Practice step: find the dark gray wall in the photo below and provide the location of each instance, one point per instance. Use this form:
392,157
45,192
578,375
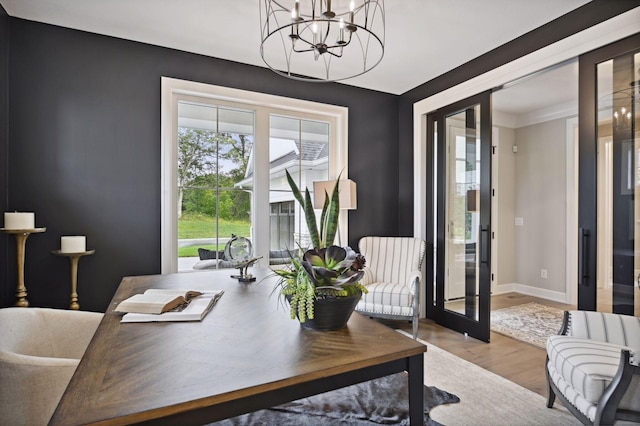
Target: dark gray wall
4,130
84,151
573,22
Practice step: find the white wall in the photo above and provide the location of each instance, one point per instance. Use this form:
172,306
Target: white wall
505,184
540,200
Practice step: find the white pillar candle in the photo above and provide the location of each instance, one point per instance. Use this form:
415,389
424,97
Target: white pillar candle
73,244
19,220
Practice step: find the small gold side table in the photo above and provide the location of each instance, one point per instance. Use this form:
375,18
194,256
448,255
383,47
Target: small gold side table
74,258
21,242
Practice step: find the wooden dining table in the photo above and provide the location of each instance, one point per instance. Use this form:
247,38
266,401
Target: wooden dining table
246,354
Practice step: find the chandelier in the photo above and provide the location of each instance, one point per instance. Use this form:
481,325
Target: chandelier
624,102
622,106
322,40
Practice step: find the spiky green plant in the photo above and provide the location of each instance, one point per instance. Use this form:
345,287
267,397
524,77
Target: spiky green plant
328,218
326,270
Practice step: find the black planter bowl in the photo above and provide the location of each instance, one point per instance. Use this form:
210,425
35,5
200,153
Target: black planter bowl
332,314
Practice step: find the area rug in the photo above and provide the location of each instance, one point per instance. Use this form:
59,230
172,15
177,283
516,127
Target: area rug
382,401
530,322
485,397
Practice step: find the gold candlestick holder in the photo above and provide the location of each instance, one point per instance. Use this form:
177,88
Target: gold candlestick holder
74,258
21,236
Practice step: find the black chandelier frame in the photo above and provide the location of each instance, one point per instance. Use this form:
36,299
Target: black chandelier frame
322,33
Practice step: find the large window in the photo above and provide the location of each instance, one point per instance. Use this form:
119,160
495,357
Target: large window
224,156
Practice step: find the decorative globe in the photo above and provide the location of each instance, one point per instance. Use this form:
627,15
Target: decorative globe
238,249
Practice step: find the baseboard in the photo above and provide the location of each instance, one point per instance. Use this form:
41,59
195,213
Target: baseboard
542,293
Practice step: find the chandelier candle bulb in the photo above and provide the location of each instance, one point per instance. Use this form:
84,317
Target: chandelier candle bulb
73,244
295,13
19,220
351,9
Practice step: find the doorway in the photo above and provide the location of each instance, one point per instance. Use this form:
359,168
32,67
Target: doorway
522,68
535,122
531,199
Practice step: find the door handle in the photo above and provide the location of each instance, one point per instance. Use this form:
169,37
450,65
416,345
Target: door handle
583,256
484,244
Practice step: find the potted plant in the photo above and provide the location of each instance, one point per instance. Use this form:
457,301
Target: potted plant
323,286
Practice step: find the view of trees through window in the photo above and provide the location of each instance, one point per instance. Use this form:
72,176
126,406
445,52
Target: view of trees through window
214,147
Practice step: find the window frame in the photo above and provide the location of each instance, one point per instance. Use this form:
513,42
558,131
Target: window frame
175,90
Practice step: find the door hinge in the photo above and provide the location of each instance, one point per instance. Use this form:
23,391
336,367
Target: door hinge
493,192
493,277
493,235
493,149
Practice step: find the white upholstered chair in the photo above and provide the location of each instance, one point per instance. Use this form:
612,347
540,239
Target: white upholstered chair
40,349
392,275
592,367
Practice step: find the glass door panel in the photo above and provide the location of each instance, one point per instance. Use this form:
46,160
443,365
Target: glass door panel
618,183
463,179
214,146
462,159
302,148
633,162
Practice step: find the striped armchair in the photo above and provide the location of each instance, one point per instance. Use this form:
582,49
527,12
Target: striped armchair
592,369
392,276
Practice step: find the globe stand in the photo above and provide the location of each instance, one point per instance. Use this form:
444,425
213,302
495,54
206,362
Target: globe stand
238,249
244,276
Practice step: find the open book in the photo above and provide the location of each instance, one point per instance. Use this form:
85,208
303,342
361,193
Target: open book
156,301
194,310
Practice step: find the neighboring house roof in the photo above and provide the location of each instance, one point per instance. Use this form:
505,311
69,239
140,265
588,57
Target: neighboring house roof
305,152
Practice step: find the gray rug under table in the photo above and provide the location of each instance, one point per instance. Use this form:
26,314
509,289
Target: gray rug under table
382,401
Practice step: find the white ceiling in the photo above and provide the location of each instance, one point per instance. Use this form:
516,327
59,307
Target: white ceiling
424,38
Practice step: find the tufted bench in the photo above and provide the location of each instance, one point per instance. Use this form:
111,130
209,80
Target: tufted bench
591,368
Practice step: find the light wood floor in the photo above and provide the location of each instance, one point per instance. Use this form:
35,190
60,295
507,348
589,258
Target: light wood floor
517,361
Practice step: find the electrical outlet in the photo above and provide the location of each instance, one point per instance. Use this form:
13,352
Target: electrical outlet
543,273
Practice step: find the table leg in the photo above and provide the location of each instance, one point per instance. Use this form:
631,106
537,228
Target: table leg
416,389
74,283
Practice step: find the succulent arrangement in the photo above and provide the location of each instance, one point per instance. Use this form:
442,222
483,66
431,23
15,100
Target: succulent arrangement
326,270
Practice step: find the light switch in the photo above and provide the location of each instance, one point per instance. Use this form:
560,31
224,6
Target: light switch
519,221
